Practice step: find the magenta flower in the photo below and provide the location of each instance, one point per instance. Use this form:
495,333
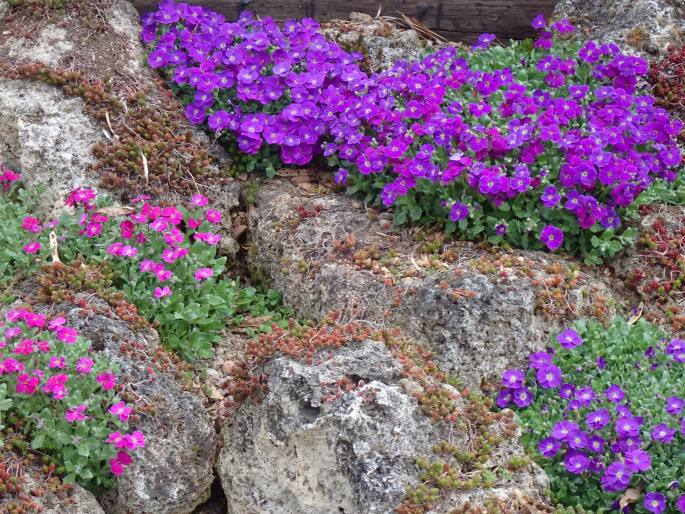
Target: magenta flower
213,216
32,248
203,273
85,365
161,292
198,200
107,380
75,414
31,224
121,410
552,237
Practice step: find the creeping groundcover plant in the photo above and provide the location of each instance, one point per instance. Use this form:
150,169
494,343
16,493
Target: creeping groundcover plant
64,397
603,410
543,144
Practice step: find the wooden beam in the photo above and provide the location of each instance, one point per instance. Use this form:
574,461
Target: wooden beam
460,20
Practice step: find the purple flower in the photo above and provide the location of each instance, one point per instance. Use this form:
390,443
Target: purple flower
674,405
550,197
614,393
549,376
549,447
562,429
596,444
576,462
501,229
655,502
484,41
626,426
539,22
578,440
567,391
218,121
569,339
638,460
458,212
552,237
522,397
598,419
601,362
540,359
616,477
504,398
680,503
663,433
585,395
513,378
341,176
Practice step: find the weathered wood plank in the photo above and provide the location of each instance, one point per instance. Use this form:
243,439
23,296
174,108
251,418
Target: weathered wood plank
455,19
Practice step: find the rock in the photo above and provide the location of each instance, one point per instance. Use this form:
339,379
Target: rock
79,500
381,41
644,26
302,449
479,312
46,136
173,474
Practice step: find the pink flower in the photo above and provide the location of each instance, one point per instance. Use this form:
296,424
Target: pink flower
78,195
213,216
121,410
93,229
57,362
194,223
55,386
138,439
161,292
85,365
129,251
107,380
34,320
31,224
32,247
161,273
169,255
27,384
208,237
198,200
159,225
56,322
127,229
140,198
66,334
25,347
75,414
115,248
203,273
173,237
11,366
43,346
116,467
147,265
12,332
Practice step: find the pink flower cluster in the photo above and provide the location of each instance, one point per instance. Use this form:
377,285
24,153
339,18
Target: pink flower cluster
7,177
26,342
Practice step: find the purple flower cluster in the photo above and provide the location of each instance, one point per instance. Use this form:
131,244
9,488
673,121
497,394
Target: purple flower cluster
571,135
263,84
600,434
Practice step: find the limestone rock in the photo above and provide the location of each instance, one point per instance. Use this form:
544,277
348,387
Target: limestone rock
46,136
298,450
479,314
643,26
173,474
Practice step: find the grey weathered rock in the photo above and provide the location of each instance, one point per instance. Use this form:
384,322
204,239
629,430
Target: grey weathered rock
46,136
301,450
643,26
173,474
381,41
478,315
79,501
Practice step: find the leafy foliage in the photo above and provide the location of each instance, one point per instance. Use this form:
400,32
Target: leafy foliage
603,411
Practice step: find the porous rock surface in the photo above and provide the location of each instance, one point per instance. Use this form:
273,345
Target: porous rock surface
645,26
381,41
478,316
173,473
298,450
47,136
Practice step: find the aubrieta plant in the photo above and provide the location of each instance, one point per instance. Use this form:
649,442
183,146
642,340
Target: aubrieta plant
272,91
65,398
542,145
603,412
